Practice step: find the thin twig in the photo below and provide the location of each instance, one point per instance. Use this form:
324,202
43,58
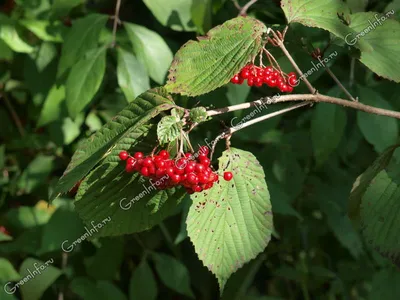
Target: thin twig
352,67
14,115
328,70
244,9
116,21
286,52
236,4
308,97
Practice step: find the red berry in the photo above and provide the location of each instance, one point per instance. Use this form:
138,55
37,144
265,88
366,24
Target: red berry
235,79
144,171
197,188
228,176
205,162
176,178
204,150
129,168
147,162
292,81
170,171
152,170
138,155
192,179
258,81
268,70
189,156
178,170
160,164
160,173
123,155
200,168
164,154
250,81
260,72
203,178
130,161
189,168
245,73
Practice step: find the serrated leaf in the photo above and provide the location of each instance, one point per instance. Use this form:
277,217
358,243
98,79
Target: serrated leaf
130,201
364,180
177,112
322,14
379,216
381,35
198,114
232,222
202,66
82,37
36,173
173,274
381,132
169,129
98,146
177,14
84,80
143,284
9,34
132,76
151,49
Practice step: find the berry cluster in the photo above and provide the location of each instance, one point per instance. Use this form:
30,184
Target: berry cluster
257,76
191,171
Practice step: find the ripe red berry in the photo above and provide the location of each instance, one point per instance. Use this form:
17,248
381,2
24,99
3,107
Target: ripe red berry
189,156
292,81
160,164
258,81
144,171
235,79
138,155
268,70
123,155
203,178
147,162
189,168
192,179
200,168
197,188
204,149
170,171
160,172
245,73
129,168
250,81
176,178
164,154
228,176
205,162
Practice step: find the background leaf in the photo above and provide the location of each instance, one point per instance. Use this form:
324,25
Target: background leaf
143,284
151,49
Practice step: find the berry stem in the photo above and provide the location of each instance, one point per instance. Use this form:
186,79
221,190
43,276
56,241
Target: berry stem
286,52
328,70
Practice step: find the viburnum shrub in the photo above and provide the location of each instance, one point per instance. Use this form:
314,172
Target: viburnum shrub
230,219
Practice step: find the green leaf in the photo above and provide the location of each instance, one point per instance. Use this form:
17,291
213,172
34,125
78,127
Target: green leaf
98,146
7,271
83,37
327,129
132,76
173,274
93,121
379,215
177,14
95,290
107,261
53,105
9,34
322,14
36,173
168,129
84,80
381,132
384,285
143,284
25,217
237,94
382,35
151,49
5,237
56,234
50,32
202,66
357,5
202,15
232,222
198,114
35,286
61,8
5,52
364,180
